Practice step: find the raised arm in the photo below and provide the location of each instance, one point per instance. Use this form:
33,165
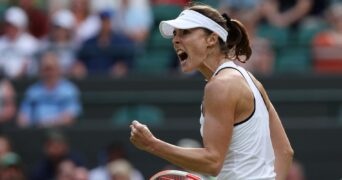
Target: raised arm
219,104
281,144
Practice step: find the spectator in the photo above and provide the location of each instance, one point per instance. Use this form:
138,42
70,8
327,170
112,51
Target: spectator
283,13
87,24
134,18
81,173
114,151
296,171
11,167
16,45
57,156
262,59
7,102
60,39
327,45
106,53
37,18
5,146
53,101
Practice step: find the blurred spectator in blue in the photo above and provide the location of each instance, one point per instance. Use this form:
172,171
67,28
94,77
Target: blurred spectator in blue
60,39
108,52
283,13
7,102
11,167
37,18
232,5
327,44
114,152
16,45
134,18
52,101
56,150
87,24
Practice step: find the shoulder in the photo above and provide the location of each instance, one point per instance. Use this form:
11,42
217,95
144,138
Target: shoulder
227,84
35,89
68,85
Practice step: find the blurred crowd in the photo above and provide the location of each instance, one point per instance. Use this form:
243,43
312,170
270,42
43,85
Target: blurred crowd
54,40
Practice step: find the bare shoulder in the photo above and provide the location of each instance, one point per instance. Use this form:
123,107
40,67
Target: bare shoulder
229,82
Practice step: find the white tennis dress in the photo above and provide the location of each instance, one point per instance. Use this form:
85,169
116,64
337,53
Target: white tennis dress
250,155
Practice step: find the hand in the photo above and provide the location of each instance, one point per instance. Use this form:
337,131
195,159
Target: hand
141,136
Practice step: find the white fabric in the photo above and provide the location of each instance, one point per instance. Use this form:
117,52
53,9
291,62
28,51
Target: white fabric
250,154
16,55
17,17
64,18
191,19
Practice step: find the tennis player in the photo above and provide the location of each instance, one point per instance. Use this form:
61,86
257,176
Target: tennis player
243,137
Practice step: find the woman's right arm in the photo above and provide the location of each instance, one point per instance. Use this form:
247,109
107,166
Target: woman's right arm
281,144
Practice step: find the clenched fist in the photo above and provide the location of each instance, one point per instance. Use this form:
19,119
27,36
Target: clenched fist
141,136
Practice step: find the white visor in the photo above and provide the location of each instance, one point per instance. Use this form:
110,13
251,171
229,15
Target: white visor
191,19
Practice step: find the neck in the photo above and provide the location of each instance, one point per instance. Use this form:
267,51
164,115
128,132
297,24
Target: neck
210,65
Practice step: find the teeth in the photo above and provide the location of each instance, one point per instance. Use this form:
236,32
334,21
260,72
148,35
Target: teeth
179,51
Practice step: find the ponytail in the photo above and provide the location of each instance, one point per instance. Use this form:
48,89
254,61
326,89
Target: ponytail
237,39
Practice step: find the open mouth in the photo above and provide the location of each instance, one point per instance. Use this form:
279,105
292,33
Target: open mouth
182,56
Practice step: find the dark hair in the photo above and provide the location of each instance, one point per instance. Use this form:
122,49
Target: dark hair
237,39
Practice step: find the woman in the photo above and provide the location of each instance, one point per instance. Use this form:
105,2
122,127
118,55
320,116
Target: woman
243,137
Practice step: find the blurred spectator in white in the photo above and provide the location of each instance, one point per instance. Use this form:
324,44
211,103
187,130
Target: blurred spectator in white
120,169
60,39
16,45
107,53
134,18
283,13
114,155
37,18
7,102
296,171
98,5
87,24
327,45
52,101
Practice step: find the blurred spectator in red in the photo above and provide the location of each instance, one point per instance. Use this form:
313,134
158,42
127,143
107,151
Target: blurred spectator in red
11,167
134,18
87,24
53,101
283,13
327,45
60,39
17,47
174,2
7,102
296,171
108,52
37,18
114,153
57,156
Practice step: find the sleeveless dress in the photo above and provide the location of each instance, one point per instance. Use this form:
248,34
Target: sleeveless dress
250,155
